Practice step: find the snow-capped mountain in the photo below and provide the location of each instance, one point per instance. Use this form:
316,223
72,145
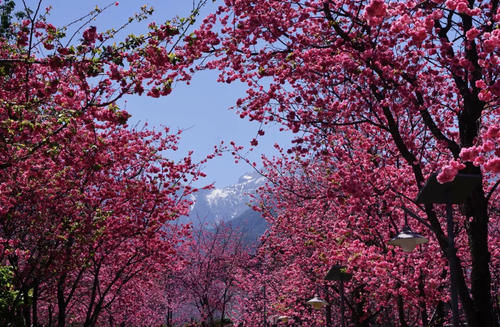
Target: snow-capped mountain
225,204
251,225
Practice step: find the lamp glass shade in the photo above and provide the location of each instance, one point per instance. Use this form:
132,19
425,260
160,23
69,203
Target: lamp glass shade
317,303
408,240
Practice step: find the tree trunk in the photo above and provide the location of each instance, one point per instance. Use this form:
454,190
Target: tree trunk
26,309
423,309
50,315
34,305
61,303
401,312
480,256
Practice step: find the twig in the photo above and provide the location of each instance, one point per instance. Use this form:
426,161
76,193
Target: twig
492,190
418,218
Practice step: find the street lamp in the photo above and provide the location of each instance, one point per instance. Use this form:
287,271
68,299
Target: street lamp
283,319
408,239
456,191
317,302
339,273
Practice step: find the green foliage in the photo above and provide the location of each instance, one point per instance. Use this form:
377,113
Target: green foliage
6,9
9,297
6,17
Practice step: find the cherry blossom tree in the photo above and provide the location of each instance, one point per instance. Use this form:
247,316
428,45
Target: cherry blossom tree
311,231
383,93
214,259
86,203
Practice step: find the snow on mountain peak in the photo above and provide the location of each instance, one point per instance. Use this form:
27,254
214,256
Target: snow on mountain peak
246,177
224,204
249,177
217,194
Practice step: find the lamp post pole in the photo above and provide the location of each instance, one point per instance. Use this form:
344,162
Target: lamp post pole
264,304
452,262
339,273
342,309
328,308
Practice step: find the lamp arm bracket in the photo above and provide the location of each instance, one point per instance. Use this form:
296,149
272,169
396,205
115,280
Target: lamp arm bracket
418,218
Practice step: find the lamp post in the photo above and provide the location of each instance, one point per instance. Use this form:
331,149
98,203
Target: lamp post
454,192
407,239
318,303
339,273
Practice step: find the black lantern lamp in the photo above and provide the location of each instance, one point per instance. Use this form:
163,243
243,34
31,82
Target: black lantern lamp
455,192
339,273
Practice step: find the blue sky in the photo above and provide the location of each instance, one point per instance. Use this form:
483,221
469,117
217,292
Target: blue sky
200,109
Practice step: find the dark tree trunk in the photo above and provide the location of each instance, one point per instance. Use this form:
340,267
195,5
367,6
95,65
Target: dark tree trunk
50,315
480,273
477,206
61,303
401,312
423,308
26,309
34,306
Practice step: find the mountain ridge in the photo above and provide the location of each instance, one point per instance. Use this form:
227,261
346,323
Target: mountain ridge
224,204
230,205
